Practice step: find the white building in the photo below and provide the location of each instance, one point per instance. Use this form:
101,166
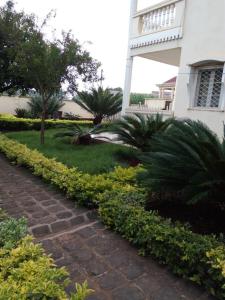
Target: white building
189,34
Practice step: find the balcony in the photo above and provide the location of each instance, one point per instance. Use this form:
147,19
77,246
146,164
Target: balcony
159,27
160,107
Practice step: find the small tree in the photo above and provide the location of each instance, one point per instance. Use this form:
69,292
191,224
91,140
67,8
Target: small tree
101,103
46,66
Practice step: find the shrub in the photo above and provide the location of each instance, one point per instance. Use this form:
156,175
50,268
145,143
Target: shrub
138,130
11,123
11,231
101,103
85,188
189,159
192,256
26,272
22,113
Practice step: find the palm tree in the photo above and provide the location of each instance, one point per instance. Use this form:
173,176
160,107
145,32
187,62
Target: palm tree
54,104
101,103
138,130
189,159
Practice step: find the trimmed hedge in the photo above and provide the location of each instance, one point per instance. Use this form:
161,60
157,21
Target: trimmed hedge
196,257
11,123
121,206
85,188
26,272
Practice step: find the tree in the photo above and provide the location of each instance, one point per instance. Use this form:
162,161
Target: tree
16,28
46,66
189,159
138,130
101,103
54,104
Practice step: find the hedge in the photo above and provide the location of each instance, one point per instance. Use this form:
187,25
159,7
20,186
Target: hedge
26,272
85,188
199,258
121,207
11,123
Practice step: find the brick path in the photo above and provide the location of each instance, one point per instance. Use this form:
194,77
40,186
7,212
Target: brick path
77,240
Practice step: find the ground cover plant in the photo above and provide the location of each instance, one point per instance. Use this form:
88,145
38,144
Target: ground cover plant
93,159
26,272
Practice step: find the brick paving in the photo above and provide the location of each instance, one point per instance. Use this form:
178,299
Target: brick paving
78,241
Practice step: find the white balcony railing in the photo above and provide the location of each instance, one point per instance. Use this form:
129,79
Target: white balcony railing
148,110
158,24
158,19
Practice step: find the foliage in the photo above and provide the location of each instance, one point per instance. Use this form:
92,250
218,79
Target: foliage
138,130
198,258
54,104
136,98
16,29
96,158
85,188
27,273
79,135
193,256
71,116
22,113
189,159
11,123
46,65
11,231
101,103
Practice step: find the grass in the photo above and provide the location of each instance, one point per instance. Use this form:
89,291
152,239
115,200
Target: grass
93,159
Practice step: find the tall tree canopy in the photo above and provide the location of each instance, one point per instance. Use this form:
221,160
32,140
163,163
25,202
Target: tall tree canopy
45,65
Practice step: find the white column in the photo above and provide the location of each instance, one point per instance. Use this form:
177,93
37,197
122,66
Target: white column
129,64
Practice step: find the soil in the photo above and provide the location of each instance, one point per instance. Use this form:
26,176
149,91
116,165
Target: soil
204,218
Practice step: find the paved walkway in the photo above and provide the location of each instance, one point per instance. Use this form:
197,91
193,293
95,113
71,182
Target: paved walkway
77,240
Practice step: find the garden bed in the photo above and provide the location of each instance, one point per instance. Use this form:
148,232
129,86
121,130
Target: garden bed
199,258
204,218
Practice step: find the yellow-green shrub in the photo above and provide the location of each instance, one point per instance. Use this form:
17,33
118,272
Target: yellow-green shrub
11,123
196,257
26,272
85,188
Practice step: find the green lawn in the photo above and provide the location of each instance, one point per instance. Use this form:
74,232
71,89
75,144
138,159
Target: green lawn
93,159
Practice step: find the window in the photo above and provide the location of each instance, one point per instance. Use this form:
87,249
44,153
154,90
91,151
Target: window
209,87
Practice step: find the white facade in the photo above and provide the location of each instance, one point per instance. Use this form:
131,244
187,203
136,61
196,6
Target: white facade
188,34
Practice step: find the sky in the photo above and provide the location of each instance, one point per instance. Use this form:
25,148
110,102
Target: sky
105,24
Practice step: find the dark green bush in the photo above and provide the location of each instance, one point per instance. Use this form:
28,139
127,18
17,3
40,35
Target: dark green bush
189,159
11,231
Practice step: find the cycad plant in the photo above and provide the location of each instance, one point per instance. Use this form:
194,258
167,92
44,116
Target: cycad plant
138,130
54,104
189,159
79,135
101,103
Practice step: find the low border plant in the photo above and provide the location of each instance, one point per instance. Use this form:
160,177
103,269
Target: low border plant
26,272
11,123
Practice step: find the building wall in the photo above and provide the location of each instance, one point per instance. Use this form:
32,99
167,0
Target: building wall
203,40
8,105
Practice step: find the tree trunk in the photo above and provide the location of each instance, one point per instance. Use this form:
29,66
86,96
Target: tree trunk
97,120
43,115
